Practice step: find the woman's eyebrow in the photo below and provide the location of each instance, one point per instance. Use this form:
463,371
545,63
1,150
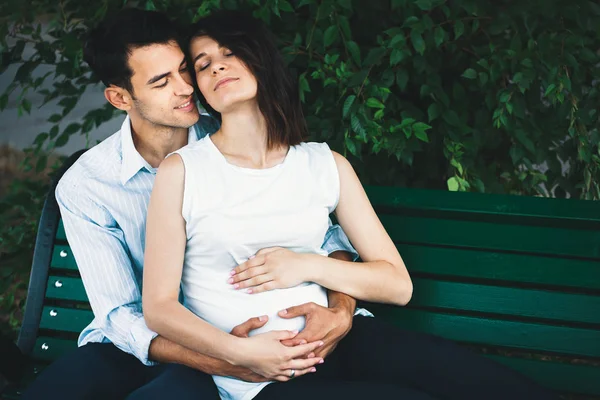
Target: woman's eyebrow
199,56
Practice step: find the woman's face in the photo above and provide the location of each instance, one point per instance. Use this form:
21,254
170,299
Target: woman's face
223,79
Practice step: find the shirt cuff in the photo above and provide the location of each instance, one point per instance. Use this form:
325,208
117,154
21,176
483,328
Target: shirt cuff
336,240
140,338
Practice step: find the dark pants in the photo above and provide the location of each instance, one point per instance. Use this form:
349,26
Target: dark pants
377,360
102,371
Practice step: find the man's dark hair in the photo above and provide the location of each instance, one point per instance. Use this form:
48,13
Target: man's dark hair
278,96
110,44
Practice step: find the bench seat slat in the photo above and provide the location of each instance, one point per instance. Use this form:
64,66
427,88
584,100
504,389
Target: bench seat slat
558,376
495,332
65,288
62,257
519,268
60,232
48,348
493,236
65,319
506,300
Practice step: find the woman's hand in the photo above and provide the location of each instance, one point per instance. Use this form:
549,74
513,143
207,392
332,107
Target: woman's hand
271,268
267,356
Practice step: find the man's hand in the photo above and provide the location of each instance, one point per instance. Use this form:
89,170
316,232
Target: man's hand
329,325
271,268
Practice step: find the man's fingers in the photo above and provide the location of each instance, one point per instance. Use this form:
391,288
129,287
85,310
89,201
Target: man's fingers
244,329
295,341
303,349
297,311
282,335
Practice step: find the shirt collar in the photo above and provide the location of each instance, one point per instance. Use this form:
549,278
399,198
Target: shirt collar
131,160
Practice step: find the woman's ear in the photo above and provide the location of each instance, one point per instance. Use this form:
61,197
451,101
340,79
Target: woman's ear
119,97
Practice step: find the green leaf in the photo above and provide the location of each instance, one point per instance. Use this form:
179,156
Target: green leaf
550,89
331,35
439,35
424,5
505,96
396,57
417,41
402,79
419,129
345,27
54,118
483,78
459,29
378,115
356,125
3,101
374,103
41,163
433,111
350,145
62,140
149,6
53,131
71,129
453,184
405,123
374,56
26,104
457,165
469,73
354,51
348,105
284,5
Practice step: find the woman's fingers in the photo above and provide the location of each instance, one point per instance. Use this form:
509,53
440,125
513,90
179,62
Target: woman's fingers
247,274
304,363
264,287
303,349
253,262
252,282
288,373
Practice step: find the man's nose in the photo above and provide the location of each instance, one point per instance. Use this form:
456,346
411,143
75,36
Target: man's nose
183,88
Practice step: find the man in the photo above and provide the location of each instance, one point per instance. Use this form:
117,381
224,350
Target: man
103,199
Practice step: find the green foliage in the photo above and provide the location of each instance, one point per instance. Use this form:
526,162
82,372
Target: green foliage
471,95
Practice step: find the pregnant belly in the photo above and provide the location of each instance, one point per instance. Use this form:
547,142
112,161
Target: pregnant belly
226,308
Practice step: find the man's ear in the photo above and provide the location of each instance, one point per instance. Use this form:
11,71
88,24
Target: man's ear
119,97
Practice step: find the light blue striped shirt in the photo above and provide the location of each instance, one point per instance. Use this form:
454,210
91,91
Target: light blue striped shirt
103,200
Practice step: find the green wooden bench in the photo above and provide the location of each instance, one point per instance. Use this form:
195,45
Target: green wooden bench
516,278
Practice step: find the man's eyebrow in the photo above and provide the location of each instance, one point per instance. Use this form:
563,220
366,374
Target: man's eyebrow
157,78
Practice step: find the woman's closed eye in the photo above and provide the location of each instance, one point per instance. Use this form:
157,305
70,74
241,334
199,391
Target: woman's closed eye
206,65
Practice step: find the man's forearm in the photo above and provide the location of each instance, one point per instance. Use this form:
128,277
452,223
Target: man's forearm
340,300
166,351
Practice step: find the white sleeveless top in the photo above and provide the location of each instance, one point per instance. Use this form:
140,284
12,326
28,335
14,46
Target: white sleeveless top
231,213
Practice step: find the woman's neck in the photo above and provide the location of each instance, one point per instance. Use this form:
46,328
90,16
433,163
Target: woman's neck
242,139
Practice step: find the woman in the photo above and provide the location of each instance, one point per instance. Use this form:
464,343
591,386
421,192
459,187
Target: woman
268,188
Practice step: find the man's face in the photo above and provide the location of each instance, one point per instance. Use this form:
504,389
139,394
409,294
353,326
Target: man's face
162,86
